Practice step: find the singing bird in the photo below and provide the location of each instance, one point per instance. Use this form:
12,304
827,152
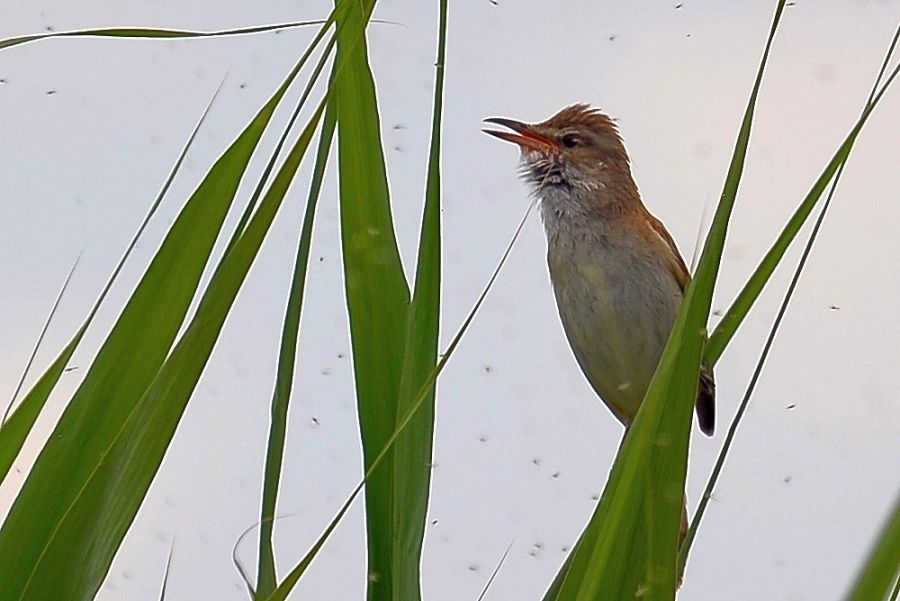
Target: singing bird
616,272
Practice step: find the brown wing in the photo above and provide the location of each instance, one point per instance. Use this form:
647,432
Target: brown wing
676,263
706,393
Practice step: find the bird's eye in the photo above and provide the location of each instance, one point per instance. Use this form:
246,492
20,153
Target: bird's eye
571,141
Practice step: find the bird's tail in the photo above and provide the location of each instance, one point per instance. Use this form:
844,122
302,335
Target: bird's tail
706,401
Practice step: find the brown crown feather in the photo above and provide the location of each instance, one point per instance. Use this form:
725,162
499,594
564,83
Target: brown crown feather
584,114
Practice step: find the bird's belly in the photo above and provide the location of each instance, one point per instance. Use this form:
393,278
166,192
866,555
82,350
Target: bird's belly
617,316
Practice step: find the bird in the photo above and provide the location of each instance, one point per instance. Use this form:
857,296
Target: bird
616,272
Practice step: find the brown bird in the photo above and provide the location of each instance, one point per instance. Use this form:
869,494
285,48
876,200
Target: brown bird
616,272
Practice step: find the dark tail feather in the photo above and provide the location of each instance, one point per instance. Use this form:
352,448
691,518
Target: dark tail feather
706,401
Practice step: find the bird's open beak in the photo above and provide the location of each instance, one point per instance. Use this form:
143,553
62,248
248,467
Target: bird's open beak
525,135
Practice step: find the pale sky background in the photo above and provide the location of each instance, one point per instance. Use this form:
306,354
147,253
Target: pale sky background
522,444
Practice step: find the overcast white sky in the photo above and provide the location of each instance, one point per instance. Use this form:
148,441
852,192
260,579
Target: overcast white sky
522,445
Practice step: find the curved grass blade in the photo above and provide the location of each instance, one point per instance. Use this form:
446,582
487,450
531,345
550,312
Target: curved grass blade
40,536
629,549
266,579
288,584
14,432
239,565
149,33
882,568
732,430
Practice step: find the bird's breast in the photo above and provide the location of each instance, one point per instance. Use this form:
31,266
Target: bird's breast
617,303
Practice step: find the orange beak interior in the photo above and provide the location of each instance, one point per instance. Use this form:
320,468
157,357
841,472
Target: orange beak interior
524,135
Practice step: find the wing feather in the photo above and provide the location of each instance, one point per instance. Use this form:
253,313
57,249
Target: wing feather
706,394
676,262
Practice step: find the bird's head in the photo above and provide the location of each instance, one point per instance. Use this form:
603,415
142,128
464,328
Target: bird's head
579,148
